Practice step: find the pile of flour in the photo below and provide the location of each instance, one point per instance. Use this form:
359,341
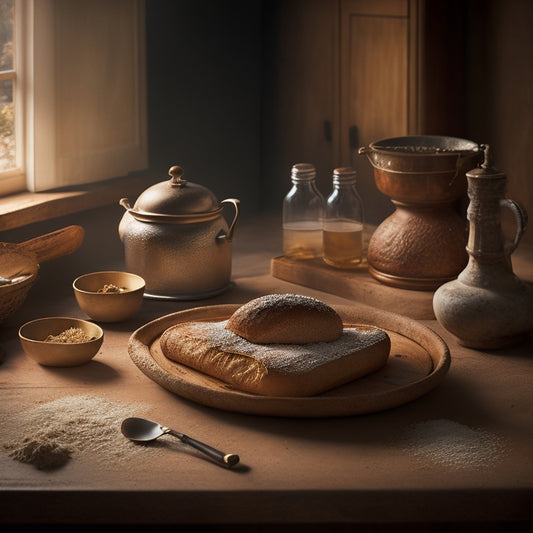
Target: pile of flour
452,444
48,435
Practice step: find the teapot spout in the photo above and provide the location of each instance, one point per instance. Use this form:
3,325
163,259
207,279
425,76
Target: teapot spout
126,218
124,202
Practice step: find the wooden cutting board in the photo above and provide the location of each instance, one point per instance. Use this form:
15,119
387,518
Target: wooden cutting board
419,360
357,285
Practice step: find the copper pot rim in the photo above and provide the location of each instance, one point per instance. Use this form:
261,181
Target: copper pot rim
425,145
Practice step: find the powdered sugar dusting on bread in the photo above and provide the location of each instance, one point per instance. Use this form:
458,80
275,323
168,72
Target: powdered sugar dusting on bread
269,301
255,308
285,358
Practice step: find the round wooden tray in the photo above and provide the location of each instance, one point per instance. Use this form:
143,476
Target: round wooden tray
418,361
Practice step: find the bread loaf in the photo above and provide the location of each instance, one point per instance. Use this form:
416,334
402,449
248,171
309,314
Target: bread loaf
286,319
276,369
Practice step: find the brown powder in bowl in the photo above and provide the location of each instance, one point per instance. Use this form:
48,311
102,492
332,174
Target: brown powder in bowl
109,288
70,336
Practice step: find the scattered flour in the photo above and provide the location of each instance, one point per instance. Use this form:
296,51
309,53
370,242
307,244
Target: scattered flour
452,444
48,435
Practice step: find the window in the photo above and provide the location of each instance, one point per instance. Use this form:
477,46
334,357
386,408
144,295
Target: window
72,92
10,103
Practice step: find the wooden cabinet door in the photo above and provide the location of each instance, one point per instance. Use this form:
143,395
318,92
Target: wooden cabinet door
300,80
378,85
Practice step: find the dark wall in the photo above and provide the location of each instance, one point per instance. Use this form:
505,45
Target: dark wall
499,90
204,93
212,68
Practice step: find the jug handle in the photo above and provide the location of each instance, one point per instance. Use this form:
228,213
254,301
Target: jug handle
520,215
235,203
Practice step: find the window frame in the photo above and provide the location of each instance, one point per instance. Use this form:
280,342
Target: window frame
39,165
14,179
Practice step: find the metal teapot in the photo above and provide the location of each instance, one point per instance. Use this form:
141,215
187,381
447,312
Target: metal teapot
177,239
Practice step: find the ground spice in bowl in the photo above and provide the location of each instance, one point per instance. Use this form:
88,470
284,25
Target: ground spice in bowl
109,288
70,336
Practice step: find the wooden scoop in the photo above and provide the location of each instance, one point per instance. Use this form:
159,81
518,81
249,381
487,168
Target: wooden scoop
55,244
22,261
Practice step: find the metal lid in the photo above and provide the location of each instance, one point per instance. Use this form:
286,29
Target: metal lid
344,175
176,197
303,172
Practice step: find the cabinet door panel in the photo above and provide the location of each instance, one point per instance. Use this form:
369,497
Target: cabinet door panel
376,95
300,86
374,59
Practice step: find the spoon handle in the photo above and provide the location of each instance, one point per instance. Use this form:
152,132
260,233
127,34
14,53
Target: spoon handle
227,459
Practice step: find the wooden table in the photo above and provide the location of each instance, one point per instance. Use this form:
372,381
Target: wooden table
363,469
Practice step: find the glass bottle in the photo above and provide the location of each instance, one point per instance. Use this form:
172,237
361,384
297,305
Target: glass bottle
344,222
303,213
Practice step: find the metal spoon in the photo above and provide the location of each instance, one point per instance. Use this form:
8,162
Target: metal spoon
10,281
143,430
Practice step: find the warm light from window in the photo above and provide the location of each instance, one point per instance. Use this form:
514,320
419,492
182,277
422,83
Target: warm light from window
8,159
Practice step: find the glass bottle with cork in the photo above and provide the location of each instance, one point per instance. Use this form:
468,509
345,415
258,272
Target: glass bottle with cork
344,222
303,214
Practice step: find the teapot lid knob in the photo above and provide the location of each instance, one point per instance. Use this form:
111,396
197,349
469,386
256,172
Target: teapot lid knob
176,172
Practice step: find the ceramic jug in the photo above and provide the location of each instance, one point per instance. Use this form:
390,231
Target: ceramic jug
487,306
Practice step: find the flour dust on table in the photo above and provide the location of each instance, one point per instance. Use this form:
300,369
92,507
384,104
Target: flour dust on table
49,435
452,444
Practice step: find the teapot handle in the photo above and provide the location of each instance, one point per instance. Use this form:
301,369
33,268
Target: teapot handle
235,203
520,215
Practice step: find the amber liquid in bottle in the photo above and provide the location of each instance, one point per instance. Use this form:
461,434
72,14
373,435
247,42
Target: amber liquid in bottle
343,232
343,244
302,241
303,211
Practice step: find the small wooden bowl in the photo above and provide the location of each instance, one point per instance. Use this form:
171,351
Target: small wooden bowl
33,337
109,306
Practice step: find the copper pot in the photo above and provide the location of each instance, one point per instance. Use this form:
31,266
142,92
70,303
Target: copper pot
177,239
422,168
422,244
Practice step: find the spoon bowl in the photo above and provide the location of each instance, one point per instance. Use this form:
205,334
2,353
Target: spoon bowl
143,430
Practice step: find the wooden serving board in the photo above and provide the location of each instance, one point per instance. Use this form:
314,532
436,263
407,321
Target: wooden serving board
418,361
356,285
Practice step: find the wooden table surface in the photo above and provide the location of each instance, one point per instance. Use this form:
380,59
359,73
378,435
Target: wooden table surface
461,454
